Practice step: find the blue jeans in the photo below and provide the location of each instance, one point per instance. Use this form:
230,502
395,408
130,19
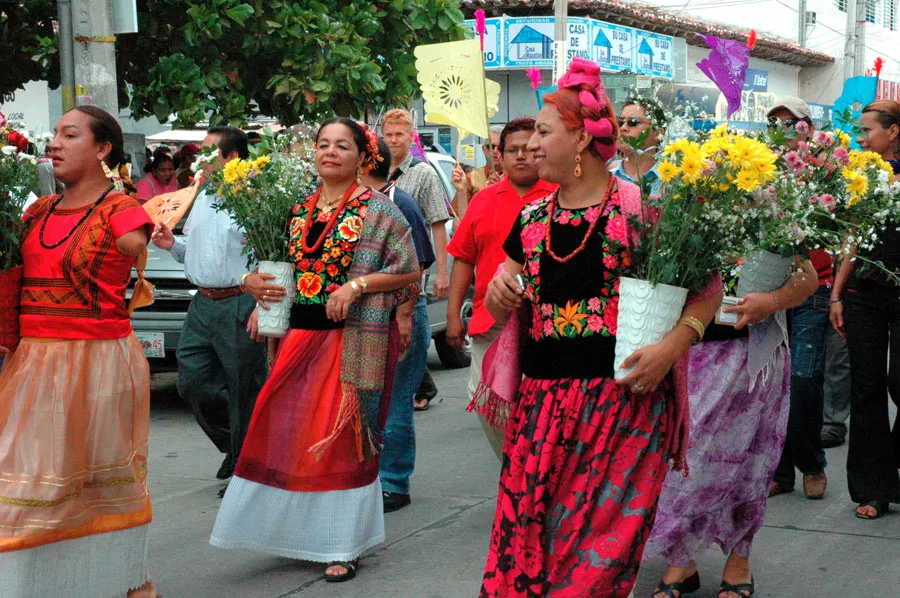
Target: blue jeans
398,458
803,444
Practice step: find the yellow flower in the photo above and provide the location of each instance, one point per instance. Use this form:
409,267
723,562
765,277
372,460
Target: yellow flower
667,171
230,173
844,139
260,162
857,184
747,180
854,199
691,167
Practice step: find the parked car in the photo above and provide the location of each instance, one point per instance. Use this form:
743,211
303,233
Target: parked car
158,326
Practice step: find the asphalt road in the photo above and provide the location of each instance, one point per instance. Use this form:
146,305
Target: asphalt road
436,547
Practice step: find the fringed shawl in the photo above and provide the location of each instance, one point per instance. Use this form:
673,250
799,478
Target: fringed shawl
385,247
502,369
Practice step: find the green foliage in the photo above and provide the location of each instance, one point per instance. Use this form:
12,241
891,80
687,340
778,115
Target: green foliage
18,176
28,44
291,60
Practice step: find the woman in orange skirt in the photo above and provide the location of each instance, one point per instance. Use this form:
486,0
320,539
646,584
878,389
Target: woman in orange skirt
75,394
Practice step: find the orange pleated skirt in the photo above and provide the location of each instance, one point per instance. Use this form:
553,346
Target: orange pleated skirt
74,423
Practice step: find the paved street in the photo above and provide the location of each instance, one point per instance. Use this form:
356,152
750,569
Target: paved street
436,547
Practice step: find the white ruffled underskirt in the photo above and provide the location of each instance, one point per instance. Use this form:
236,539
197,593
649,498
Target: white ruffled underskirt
322,527
99,566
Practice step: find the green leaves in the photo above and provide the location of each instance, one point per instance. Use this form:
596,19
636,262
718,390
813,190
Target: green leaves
240,13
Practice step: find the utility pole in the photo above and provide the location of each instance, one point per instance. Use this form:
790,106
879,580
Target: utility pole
801,33
560,20
66,60
95,54
855,48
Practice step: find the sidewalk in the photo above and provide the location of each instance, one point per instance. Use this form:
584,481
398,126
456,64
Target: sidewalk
436,547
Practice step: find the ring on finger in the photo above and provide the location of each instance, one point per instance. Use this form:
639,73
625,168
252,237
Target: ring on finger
637,388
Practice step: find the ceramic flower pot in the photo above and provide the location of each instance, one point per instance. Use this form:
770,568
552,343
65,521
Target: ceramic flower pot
10,289
646,314
763,272
275,321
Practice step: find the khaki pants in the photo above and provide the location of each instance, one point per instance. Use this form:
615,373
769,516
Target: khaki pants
480,345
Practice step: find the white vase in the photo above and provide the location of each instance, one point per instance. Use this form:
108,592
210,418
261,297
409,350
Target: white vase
276,320
646,314
763,272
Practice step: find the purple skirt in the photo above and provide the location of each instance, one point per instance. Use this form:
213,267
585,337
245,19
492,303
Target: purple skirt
736,439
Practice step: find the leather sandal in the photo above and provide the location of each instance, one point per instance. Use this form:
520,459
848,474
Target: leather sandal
744,590
350,566
683,587
880,506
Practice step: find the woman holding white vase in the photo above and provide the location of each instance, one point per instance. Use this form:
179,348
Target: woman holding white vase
584,456
306,484
739,392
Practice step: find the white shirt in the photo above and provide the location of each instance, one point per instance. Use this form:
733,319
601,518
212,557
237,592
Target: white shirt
212,248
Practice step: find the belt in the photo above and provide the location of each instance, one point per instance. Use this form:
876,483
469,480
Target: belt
220,293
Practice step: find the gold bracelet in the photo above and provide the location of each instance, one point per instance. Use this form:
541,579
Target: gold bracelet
363,284
355,287
695,325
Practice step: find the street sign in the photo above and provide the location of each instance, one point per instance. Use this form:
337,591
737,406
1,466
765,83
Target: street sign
613,46
654,54
578,39
493,49
528,42
757,80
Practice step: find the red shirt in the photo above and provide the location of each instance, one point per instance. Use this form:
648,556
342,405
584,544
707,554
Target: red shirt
77,290
824,265
481,234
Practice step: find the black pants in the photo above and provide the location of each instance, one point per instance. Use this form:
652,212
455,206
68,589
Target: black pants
803,443
872,321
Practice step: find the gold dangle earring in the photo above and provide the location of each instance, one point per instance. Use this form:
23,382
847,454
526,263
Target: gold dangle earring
577,165
112,176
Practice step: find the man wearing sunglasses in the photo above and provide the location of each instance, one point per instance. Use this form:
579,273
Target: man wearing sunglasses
640,120
809,331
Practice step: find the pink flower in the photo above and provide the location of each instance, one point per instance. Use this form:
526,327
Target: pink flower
564,217
795,162
546,310
842,156
576,221
822,138
611,315
548,328
616,290
617,229
534,267
709,168
332,287
610,262
594,304
802,127
537,324
592,214
827,201
814,199
804,147
595,323
532,235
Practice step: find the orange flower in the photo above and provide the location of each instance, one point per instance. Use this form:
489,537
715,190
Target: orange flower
309,285
332,270
350,228
569,316
346,260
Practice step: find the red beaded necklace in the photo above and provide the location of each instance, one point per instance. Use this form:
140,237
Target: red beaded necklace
310,211
590,230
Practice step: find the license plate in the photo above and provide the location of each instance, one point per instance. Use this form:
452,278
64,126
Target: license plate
154,343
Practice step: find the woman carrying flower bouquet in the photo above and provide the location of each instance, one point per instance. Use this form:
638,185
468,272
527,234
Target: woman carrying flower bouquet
866,309
584,457
306,483
75,395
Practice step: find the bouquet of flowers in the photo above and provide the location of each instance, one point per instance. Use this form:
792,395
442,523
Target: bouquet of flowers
18,176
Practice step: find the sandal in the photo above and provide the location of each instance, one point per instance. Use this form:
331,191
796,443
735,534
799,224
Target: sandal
685,586
421,404
880,506
743,590
350,566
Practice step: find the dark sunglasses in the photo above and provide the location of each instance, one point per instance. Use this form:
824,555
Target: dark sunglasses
790,123
631,122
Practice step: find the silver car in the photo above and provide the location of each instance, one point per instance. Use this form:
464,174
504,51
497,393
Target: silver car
158,326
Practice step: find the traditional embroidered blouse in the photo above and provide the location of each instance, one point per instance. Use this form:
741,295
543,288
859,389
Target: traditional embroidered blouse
77,290
319,273
575,304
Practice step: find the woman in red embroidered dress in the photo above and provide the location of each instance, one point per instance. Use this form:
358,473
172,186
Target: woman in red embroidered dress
75,394
306,484
584,457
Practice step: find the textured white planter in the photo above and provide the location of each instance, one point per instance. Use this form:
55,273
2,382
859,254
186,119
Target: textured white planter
763,272
646,315
275,321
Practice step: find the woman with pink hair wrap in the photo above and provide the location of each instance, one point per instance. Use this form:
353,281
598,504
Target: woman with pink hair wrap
585,455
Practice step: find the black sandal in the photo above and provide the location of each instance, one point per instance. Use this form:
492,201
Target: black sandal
350,566
423,407
744,590
880,506
686,586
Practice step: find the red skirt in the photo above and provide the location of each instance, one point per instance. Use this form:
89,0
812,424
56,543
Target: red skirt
583,467
296,409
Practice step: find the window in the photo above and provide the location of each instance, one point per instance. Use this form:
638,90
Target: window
841,5
872,11
879,12
890,15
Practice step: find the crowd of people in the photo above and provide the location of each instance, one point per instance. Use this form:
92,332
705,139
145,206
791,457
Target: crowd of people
596,473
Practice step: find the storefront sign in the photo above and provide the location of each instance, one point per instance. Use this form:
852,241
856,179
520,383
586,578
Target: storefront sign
757,80
493,54
578,39
528,42
613,46
654,54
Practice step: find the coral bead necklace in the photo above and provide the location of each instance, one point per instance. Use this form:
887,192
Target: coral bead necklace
310,213
590,231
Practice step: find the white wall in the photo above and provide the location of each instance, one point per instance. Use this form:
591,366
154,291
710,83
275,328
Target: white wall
30,105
